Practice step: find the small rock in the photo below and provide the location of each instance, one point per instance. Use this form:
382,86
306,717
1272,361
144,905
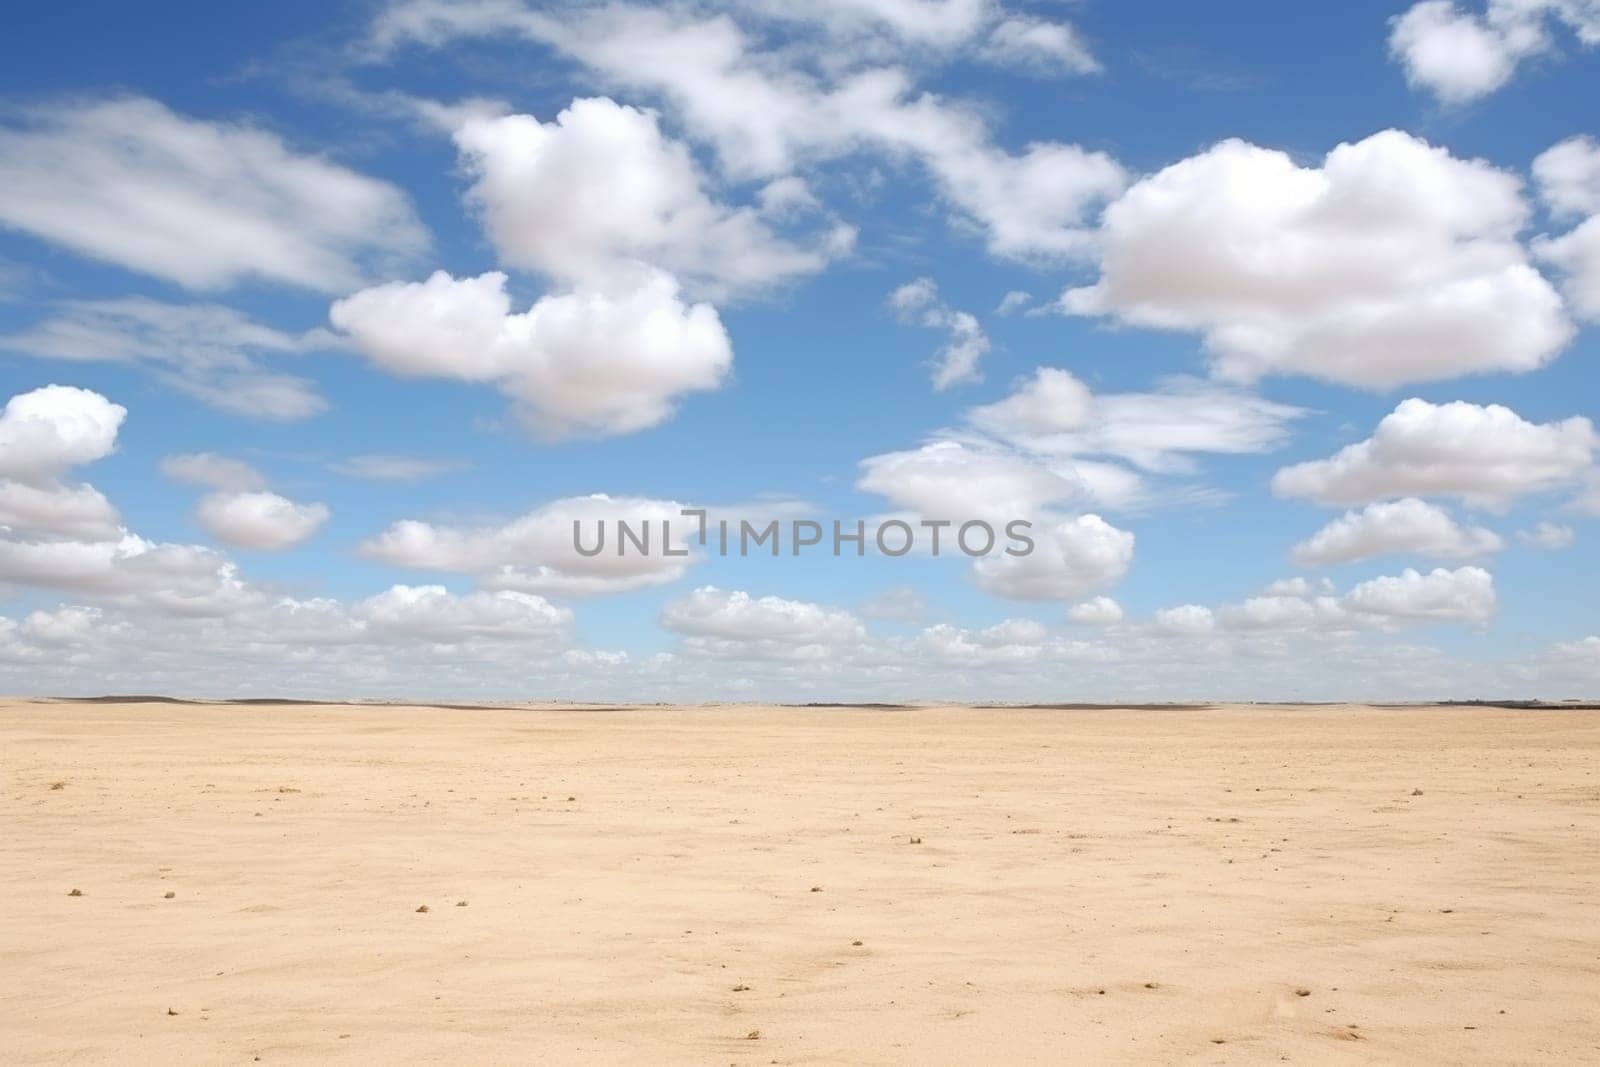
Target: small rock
422,909
168,895
76,893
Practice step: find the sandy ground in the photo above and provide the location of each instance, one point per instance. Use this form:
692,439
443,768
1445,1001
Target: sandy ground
758,885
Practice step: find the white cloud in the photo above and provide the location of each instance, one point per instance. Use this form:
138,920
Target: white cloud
1286,614
768,111
48,430
1039,46
958,481
259,520
433,613
1008,643
1070,558
212,471
1568,177
1013,302
1577,255
1459,56
1550,536
79,513
1485,455
579,363
1583,654
535,552
209,352
918,302
936,24
590,196
1408,526
389,468
734,615
43,433
66,625
203,204
1054,413
1465,594
1297,606
1185,620
170,578
1096,611
1393,262
1298,586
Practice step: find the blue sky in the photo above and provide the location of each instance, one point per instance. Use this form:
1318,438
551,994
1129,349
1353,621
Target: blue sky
760,261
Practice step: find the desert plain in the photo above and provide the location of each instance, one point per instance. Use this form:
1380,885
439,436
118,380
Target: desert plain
290,883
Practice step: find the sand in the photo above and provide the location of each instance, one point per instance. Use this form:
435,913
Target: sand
769,885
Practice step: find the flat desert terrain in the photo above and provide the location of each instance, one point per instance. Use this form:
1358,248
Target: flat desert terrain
751,885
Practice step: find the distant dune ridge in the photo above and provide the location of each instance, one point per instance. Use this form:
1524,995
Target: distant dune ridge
301,882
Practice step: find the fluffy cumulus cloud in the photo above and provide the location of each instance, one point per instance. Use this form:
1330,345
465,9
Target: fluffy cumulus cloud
1392,262
1459,55
434,613
1053,444
576,364
204,204
1010,643
734,615
1485,455
966,344
1055,413
209,352
1576,254
1069,558
771,105
1465,594
1380,605
537,553
959,480
48,430
259,520
589,196
1568,176
1285,614
75,512
1096,611
165,613
1408,526
130,571
43,434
